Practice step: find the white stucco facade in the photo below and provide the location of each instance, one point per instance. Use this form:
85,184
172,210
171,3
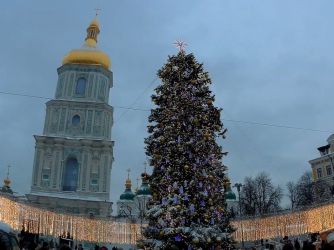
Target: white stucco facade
74,156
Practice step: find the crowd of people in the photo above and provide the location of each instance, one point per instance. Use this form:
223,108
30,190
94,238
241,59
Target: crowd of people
313,242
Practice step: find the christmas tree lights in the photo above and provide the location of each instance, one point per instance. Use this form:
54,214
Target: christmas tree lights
188,209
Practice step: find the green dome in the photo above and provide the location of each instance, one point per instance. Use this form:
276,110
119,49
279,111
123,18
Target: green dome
127,195
6,189
230,195
144,189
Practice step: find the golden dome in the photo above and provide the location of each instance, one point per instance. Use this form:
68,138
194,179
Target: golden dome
94,23
228,182
128,184
89,53
7,182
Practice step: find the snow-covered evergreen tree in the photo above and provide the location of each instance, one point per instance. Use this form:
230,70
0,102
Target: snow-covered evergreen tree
188,182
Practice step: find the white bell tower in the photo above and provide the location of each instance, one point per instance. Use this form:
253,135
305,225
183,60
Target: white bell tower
74,156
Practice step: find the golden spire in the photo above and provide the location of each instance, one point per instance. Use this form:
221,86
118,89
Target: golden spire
7,181
92,32
128,181
145,163
144,176
97,11
137,188
228,182
89,53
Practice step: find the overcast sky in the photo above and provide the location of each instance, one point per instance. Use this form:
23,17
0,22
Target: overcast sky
270,62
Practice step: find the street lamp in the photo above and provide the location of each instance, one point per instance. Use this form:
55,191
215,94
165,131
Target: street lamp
238,186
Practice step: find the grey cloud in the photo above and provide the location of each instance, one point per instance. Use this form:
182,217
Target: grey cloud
271,62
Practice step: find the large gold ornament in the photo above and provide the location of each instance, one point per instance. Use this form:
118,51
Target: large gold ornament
186,167
195,241
163,139
206,134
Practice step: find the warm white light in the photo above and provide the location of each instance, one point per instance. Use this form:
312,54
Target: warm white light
39,220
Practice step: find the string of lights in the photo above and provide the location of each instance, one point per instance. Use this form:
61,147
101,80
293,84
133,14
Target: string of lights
147,110
42,221
136,100
256,148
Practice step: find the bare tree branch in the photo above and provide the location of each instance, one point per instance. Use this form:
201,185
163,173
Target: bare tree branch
259,196
292,194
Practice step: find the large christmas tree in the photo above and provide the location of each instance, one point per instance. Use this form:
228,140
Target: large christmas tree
188,209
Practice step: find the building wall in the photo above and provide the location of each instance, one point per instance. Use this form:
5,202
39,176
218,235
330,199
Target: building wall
94,164
96,119
77,126
323,166
320,165
99,82
126,208
137,206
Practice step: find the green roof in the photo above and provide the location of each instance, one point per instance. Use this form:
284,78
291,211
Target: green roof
144,189
230,195
127,195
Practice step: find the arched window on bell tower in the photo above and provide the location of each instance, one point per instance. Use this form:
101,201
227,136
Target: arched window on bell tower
71,175
81,86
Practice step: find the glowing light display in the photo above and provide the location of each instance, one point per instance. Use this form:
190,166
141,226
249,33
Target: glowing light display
296,223
39,220
42,221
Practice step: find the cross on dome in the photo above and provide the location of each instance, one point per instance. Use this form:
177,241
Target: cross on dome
97,10
8,170
129,170
145,163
